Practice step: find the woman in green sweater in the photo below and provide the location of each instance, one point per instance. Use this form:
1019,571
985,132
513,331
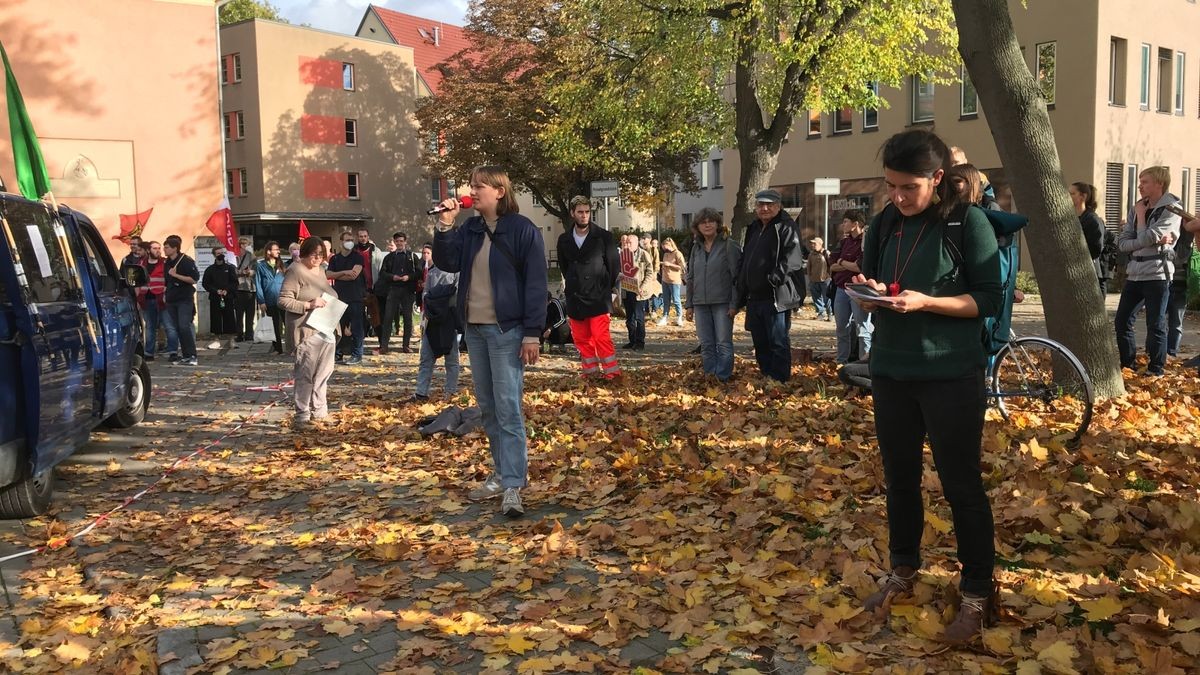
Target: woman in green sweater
927,367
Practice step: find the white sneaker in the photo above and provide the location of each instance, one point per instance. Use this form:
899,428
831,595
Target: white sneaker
215,344
679,321
663,321
511,506
490,489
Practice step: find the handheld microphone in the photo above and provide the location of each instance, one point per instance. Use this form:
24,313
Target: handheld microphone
464,202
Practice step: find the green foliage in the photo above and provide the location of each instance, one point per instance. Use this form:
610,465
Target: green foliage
240,10
1027,283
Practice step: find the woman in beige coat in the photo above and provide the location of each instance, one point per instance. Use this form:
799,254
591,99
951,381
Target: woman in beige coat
674,267
302,289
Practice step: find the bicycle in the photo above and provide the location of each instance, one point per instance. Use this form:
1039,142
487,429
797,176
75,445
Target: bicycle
1033,381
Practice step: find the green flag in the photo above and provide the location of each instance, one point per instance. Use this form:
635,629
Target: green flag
32,176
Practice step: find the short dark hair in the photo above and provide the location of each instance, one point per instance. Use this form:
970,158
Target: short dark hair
135,238
427,245
363,228
856,216
399,235
922,153
174,241
310,246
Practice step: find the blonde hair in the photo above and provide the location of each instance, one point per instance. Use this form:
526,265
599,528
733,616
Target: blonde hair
497,178
1160,174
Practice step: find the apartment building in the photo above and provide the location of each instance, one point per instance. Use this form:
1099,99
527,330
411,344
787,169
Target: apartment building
1123,96
123,96
710,174
319,127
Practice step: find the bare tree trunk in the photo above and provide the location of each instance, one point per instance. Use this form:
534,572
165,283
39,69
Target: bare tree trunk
758,145
1020,125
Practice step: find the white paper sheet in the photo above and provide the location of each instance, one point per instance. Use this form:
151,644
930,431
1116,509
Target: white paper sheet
39,251
325,319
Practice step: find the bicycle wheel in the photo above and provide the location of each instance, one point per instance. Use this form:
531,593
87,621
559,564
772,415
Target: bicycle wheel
1039,383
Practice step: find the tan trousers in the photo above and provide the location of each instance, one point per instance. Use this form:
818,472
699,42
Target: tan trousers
314,365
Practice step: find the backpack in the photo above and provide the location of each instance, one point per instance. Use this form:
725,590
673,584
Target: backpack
1109,255
997,327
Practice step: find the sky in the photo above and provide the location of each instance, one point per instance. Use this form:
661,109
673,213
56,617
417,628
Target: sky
343,16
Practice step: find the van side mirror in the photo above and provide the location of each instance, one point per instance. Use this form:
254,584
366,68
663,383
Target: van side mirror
134,275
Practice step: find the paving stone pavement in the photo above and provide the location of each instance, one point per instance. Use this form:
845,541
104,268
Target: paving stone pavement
192,407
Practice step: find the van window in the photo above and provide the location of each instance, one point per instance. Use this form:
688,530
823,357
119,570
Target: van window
45,267
97,262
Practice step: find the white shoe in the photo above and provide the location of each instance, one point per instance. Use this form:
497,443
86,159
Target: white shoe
490,489
679,321
663,321
215,344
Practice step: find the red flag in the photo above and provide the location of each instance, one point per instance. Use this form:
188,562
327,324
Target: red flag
220,223
132,226
303,231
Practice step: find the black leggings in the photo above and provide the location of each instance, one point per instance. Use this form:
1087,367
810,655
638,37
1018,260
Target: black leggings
951,413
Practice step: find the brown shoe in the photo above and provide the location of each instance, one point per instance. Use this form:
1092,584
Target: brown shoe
974,614
897,582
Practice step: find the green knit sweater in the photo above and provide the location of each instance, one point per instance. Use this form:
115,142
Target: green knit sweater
924,345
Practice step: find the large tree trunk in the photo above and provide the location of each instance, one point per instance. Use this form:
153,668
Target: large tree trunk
758,145
1020,125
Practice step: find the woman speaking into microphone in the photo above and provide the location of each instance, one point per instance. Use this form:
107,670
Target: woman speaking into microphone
501,261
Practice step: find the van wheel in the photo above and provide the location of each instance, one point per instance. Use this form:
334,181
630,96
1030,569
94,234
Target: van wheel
137,397
28,497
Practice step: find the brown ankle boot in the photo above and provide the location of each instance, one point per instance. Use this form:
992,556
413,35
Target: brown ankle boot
974,614
897,582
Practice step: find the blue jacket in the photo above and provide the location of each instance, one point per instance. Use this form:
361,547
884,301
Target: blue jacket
517,304
268,283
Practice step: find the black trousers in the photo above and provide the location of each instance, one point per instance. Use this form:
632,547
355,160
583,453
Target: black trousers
399,302
951,413
276,316
245,308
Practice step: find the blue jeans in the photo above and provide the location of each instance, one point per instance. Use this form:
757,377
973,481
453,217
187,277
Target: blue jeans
1155,295
356,320
179,321
635,319
769,331
818,289
425,368
1176,309
843,310
714,327
499,378
153,316
670,296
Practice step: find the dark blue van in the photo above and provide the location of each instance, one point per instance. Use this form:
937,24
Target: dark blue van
70,346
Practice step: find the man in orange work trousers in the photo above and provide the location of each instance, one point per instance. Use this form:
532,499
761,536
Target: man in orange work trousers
589,262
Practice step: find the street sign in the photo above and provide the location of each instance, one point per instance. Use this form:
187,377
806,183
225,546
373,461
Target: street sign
602,189
826,186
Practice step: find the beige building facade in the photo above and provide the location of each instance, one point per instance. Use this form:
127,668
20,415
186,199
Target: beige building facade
1124,78
123,97
319,126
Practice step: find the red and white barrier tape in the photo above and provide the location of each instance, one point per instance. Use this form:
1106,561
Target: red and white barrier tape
59,542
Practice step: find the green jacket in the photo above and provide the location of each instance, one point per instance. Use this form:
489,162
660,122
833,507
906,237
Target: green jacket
923,345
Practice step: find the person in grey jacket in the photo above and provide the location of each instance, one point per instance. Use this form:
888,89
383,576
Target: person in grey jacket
438,284
1148,237
712,271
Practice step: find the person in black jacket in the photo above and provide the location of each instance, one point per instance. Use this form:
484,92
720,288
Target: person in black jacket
402,270
221,282
180,297
1083,195
346,272
590,264
766,284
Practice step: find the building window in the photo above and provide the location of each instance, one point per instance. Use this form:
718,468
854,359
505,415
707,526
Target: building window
235,126
351,132
236,183
1118,54
1184,187
1179,82
1113,172
716,173
436,193
352,185
703,175
922,99
814,122
843,121
1131,193
1166,62
969,99
1144,88
687,220
871,115
1047,56
431,143
231,68
348,76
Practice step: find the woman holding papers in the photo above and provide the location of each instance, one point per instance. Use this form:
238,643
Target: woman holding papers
303,289
927,367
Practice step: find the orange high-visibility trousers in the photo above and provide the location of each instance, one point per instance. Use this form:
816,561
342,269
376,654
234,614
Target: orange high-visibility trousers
595,346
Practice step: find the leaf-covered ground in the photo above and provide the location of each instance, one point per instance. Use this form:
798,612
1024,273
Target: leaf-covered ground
673,526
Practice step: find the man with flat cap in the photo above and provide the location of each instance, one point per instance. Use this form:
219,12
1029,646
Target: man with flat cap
771,253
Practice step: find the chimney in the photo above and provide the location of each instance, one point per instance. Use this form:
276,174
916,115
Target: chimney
437,36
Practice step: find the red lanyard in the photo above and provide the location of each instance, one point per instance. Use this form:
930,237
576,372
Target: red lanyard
894,287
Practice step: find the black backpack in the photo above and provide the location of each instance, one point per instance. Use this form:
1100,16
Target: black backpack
1109,254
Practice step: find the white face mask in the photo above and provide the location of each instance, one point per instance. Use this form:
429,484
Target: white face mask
347,244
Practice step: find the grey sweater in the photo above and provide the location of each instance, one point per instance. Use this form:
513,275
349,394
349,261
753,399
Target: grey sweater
712,275
1146,256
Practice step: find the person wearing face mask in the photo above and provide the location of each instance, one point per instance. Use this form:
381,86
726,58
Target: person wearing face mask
153,301
927,369
221,282
346,271
293,253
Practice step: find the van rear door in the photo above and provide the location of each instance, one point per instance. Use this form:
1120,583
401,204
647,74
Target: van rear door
56,359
